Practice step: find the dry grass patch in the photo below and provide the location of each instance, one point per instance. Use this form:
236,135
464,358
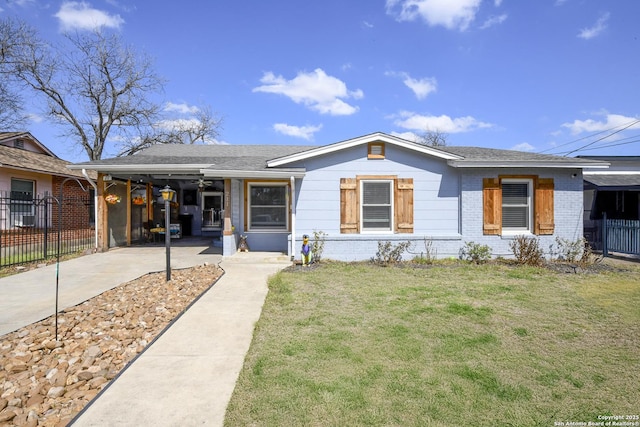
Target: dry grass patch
357,344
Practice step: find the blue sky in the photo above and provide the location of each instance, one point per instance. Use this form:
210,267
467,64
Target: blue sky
547,76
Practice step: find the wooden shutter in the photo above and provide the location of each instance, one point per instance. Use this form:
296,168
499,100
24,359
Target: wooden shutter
404,205
544,223
348,206
491,206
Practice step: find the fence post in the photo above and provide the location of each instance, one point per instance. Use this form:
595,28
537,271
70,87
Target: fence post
605,248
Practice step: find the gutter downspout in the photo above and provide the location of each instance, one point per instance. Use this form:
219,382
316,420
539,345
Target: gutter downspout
293,218
95,205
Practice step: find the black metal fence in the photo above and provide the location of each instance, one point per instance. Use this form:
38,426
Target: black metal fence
38,227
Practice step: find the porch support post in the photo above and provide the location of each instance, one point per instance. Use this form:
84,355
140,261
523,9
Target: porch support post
128,212
293,218
227,230
102,221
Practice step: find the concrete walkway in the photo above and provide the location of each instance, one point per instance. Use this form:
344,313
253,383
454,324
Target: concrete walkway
186,377
29,297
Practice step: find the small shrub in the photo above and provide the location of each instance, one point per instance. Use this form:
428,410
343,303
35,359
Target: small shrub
389,253
577,251
318,245
527,251
475,252
429,255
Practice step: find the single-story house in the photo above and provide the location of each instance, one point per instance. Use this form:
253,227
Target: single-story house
357,192
29,171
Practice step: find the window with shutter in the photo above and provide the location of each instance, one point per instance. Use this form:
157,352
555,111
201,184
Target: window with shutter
514,205
376,204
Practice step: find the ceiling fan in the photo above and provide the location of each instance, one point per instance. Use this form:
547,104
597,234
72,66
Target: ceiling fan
202,183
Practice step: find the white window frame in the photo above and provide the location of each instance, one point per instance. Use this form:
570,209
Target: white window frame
529,205
389,229
250,227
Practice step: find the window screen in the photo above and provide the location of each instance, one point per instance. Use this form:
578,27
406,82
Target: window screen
515,205
376,205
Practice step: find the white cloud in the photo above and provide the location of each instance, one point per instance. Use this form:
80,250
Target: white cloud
181,108
316,90
494,20
304,132
451,14
177,124
420,87
497,3
610,122
81,16
524,146
598,27
409,136
443,123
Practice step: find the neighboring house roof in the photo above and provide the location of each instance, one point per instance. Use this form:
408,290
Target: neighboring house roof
8,136
614,181
624,173
16,158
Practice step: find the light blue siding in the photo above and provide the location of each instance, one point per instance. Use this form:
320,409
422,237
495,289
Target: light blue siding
448,205
436,201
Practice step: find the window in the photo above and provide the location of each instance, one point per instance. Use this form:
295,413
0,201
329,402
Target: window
267,206
22,209
516,205
376,205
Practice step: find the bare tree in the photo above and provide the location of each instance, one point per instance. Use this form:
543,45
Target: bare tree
202,127
12,35
434,138
97,86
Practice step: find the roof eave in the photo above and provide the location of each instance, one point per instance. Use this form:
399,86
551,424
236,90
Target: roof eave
146,168
519,164
255,174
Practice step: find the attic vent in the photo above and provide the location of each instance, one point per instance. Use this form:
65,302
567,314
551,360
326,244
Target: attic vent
18,143
376,150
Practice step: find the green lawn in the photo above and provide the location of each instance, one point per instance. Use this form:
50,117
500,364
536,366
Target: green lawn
449,345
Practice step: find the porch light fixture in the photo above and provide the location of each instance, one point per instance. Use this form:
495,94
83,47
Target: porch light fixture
167,196
167,193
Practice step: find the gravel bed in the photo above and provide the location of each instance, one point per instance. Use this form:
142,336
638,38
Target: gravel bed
46,382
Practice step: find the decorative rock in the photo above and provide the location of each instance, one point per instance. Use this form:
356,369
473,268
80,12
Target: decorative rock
7,415
85,375
55,392
44,381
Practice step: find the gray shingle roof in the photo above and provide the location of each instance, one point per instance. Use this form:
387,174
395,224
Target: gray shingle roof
479,154
220,157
